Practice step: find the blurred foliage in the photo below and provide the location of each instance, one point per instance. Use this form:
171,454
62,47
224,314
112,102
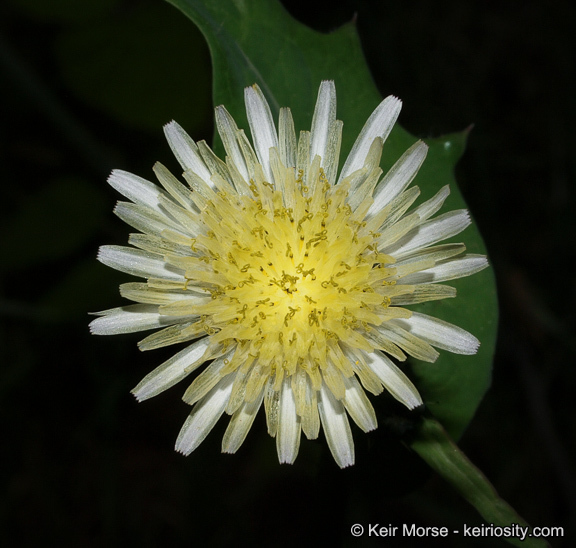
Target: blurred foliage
84,464
142,68
64,11
45,219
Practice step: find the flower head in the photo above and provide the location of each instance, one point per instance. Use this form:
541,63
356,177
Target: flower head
287,280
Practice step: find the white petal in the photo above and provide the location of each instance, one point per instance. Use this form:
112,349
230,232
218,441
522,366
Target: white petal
171,371
127,319
303,159
449,270
438,229
174,187
431,206
287,138
135,188
143,293
440,334
228,131
379,124
395,381
261,125
434,254
399,177
240,424
288,434
204,416
144,219
410,343
185,150
137,262
207,380
358,405
336,428
310,418
332,153
271,406
323,119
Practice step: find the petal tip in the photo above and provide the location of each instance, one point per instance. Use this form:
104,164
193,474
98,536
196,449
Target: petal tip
138,395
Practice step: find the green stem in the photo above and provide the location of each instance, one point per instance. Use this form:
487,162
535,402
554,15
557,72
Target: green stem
436,447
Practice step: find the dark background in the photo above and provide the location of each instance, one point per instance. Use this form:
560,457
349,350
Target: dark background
85,87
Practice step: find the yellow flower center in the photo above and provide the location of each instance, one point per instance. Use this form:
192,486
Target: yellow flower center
292,271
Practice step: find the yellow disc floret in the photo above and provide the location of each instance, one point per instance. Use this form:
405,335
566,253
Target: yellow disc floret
292,271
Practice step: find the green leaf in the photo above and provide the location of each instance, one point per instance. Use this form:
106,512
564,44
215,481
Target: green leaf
258,42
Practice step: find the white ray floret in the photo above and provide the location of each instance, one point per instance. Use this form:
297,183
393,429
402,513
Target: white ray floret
288,436
135,188
186,150
261,126
136,262
323,120
441,334
171,371
449,270
127,319
336,428
395,381
440,228
399,177
204,416
380,125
